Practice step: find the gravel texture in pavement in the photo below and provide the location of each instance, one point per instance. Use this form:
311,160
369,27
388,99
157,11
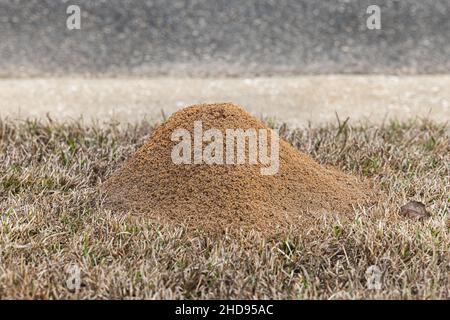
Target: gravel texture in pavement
223,38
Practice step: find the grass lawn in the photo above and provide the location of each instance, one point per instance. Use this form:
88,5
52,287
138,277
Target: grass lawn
52,220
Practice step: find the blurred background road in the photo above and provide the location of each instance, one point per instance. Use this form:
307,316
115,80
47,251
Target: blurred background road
201,50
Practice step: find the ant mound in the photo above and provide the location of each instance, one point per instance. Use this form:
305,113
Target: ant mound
216,194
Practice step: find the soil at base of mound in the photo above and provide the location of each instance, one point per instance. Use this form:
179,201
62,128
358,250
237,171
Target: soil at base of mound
215,198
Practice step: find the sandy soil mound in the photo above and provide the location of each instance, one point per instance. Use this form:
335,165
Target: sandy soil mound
217,197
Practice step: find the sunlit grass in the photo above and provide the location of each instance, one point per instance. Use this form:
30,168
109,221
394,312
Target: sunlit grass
51,217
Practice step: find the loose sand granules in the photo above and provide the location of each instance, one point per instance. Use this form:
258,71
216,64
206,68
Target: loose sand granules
219,197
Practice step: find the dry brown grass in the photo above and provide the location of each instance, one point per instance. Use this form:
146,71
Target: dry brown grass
51,217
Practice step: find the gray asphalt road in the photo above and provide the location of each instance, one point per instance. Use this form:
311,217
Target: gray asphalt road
223,37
